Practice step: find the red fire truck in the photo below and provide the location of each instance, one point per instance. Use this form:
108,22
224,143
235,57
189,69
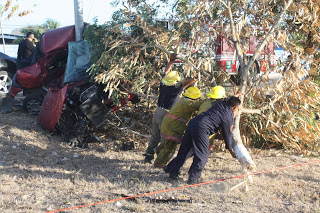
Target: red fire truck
226,55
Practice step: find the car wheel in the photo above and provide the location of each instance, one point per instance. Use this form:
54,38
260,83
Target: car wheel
5,82
32,102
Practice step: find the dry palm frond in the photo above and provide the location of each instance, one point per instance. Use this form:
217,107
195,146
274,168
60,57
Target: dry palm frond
24,13
13,10
7,6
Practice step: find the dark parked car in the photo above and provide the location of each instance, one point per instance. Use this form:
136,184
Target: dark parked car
7,71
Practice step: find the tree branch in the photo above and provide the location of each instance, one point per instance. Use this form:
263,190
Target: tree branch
268,36
251,111
139,94
182,59
128,130
224,4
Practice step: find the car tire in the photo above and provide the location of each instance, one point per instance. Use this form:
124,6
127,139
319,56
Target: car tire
5,83
32,102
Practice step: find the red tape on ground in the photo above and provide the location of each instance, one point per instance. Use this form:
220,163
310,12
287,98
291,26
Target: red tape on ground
187,186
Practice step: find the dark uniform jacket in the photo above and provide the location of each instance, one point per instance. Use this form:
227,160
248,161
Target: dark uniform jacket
25,49
220,115
169,95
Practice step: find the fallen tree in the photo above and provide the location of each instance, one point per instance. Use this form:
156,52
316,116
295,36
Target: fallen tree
134,48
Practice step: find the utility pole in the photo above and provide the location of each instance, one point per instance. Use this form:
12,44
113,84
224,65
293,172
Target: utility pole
3,41
78,18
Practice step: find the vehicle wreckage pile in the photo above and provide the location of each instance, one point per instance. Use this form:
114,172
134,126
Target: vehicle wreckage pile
58,89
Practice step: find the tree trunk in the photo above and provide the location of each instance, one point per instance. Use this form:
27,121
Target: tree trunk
244,71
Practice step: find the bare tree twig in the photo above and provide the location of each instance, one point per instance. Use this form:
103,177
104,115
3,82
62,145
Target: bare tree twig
251,111
128,130
270,33
182,59
224,4
139,94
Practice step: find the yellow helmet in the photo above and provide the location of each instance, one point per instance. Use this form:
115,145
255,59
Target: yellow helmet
171,78
217,92
192,92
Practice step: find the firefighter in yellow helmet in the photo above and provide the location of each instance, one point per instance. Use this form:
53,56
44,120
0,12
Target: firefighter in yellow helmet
171,78
216,93
171,87
174,124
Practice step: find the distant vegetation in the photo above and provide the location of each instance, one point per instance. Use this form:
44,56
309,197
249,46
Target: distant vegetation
38,30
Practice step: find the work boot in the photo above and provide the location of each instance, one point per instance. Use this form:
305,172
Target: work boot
192,181
148,158
166,169
174,177
7,104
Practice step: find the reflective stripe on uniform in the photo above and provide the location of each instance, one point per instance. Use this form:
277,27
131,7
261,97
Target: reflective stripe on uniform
175,118
171,138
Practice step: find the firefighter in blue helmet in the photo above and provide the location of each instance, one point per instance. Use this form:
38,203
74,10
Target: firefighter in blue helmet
196,137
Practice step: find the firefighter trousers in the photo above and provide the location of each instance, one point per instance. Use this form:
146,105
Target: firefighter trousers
166,153
197,139
157,118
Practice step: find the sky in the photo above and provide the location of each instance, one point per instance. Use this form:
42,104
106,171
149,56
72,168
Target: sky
59,10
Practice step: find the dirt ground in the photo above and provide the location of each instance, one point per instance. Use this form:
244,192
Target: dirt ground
41,173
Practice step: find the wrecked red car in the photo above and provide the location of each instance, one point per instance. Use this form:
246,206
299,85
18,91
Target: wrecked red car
76,110
58,88
45,67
